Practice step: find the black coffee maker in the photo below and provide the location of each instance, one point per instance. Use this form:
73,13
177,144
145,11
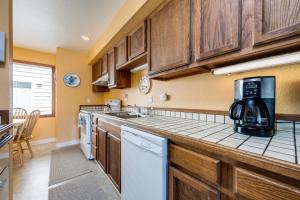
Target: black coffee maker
253,110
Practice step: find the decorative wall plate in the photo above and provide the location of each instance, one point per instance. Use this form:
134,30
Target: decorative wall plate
144,85
71,80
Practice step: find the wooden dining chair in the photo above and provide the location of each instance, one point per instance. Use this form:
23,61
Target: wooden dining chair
19,113
25,134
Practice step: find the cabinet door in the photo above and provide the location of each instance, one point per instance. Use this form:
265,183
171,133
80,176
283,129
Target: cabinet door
96,70
275,19
137,42
102,148
114,160
121,52
183,186
104,65
249,185
111,68
169,36
96,73
217,27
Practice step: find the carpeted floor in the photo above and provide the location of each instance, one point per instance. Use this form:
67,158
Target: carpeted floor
73,177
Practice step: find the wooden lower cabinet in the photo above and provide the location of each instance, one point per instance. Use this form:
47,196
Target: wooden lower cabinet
182,187
250,185
114,160
101,159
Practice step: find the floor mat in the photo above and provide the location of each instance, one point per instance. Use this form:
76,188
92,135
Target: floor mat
91,186
68,163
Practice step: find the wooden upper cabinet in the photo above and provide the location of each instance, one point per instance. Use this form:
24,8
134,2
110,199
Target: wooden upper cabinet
111,68
121,52
183,187
137,42
275,20
96,73
117,79
217,27
169,36
104,65
97,70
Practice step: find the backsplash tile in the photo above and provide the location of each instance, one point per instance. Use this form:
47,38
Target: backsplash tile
220,118
195,116
210,118
189,115
202,117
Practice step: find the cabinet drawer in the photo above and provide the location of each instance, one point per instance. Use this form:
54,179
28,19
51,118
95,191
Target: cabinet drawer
254,186
94,138
206,167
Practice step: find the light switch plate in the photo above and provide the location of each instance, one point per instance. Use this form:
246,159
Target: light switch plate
2,46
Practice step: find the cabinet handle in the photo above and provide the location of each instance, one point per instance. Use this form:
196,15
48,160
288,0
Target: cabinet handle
2,183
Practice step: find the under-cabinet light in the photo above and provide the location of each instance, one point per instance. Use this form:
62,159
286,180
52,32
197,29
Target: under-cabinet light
139,68
274,61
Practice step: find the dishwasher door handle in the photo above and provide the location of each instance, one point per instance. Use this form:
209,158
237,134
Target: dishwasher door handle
142,143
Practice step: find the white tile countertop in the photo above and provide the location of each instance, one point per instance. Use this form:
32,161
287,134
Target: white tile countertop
285,145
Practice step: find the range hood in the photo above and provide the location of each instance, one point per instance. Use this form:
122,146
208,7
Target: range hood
102,81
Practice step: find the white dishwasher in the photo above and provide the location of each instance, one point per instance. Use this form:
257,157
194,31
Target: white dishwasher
144,165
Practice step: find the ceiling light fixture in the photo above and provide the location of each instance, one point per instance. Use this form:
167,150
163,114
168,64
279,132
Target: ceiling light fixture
86,38
274,61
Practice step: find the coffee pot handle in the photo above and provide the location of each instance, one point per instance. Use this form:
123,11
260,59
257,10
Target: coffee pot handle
236,110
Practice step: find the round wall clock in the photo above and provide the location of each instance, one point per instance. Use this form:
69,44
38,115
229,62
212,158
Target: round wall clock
72,80
144,85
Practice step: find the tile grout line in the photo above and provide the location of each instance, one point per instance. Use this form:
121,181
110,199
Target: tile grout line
295,142
243,142
267,146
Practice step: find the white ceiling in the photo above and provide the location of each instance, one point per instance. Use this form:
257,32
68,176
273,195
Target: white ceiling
47,24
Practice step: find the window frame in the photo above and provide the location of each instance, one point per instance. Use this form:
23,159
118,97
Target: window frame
53,68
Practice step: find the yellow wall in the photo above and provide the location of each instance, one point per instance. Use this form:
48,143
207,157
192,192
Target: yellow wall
33,56
64,126
45,127
69,99
205,91
5,75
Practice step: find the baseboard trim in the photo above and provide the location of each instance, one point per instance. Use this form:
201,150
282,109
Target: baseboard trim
43,141
67,143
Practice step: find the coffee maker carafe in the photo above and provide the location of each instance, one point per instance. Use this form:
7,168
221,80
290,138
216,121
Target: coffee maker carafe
253,110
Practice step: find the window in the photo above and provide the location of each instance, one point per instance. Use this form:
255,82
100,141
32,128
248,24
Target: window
33,88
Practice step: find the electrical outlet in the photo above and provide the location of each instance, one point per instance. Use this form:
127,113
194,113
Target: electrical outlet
88,100
126,96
